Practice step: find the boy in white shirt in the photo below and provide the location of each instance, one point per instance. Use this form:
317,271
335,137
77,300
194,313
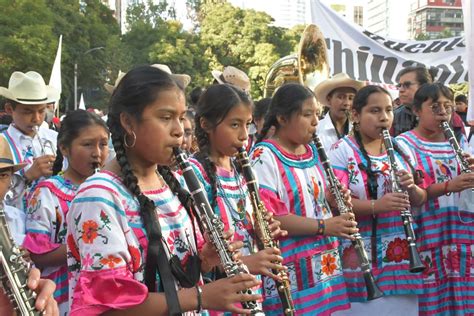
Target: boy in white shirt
336,94
27,97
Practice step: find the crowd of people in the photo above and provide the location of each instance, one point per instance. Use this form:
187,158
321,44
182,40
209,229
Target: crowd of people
101,209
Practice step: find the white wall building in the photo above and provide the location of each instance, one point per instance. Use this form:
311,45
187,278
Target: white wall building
388,18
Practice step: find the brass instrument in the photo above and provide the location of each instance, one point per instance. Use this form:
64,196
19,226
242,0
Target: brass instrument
373,291
416,265
14,272
265,238
308,67
213,226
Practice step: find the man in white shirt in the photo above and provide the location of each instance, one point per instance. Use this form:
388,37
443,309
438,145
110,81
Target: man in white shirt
27,97
336,94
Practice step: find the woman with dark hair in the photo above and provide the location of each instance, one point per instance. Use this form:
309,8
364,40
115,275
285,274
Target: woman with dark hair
82,139
360,162
293,187
133,248
444,233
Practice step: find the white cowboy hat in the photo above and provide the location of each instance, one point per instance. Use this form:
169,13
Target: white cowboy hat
29,88
6,157
181,78
233,76
340,80
110,88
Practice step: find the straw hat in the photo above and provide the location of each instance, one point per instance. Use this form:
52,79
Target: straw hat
233,76
29,88
340,80
6,157
181,78
110,88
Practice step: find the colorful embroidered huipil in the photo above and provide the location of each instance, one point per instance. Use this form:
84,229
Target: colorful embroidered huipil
445,234
291,184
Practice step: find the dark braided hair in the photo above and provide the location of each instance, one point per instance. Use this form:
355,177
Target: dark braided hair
139,88
71,128
213,106
286,101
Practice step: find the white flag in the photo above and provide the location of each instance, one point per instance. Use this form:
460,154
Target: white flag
468,14
82,105
55,78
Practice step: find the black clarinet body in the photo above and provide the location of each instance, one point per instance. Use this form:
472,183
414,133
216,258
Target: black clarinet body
265,238
449,134
213,226
416,265
373,291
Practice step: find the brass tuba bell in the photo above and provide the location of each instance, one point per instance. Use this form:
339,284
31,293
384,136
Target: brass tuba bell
309,67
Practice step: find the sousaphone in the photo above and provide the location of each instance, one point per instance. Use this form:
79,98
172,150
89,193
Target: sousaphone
308,67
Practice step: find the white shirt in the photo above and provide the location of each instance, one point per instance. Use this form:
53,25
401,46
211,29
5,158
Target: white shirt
16,223
327,132
24,148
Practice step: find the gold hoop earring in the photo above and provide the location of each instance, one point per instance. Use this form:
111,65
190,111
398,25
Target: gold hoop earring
133,142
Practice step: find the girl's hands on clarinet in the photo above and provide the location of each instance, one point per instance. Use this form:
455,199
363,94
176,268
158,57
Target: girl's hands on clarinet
343,226
406,180
346,193
392,202
274,225
461,182
470,160
223,294
264,261
208,253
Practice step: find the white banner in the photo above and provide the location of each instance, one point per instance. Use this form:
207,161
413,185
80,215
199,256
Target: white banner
369,57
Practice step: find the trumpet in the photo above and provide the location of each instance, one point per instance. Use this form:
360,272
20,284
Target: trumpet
47,146
416,265
265,238
373,291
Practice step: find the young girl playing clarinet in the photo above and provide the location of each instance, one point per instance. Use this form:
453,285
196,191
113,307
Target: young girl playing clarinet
360,162
224,113
132,244
82,139
445,230
293,187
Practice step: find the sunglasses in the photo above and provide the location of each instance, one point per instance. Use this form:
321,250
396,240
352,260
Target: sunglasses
405,85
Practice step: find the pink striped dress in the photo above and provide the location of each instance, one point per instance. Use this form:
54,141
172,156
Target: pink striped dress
445,233
390,249
46,228
292,184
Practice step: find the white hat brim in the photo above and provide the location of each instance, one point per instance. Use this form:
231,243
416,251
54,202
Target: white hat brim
52,95
217,75
182,78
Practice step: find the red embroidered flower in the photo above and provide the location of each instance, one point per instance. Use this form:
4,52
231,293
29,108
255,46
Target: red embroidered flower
397,250
349,258
73,249
453,261
89,231
328,264
110,261
257,153
135,258
429,267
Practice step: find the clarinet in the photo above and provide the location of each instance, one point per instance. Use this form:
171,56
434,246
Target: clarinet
373,291
449,134
265,238
213,226
416,265
14,272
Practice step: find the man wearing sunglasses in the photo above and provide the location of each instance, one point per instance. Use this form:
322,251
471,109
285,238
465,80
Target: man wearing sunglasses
411,78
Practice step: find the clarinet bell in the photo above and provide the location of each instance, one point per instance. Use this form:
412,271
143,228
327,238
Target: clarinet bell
416,265
373,291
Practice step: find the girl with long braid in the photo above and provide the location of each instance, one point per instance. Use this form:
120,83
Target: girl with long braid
360,162
445,229
293,186
133,248
224,113
82,139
